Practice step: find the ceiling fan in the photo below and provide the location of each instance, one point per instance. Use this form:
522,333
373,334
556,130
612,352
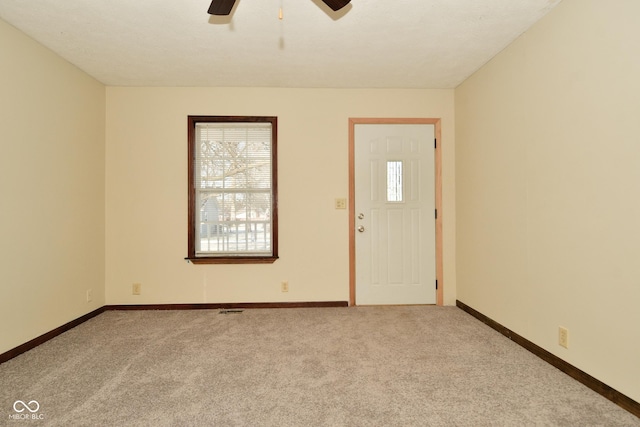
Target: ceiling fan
223,7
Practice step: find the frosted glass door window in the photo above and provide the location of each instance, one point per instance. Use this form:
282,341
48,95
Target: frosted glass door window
394,181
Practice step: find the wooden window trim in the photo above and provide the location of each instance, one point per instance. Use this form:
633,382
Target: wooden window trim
231,259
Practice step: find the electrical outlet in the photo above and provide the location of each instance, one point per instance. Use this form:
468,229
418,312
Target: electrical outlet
89,295
136,288
563,337
341,203
284,286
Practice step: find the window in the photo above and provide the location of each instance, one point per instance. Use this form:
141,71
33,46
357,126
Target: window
233,216
394,181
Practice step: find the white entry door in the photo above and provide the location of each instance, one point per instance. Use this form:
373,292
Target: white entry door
395,252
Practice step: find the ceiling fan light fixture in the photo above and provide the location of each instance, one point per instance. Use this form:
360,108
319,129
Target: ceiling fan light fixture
224,7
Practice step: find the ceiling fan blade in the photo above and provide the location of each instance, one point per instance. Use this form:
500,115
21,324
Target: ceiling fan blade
336,4
221,7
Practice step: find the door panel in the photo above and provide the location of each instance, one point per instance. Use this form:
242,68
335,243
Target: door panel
394,207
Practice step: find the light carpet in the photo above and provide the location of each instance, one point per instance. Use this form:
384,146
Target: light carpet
358,366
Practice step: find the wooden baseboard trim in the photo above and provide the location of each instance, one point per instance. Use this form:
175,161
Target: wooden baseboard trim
234,305
8,355
594,384
49,335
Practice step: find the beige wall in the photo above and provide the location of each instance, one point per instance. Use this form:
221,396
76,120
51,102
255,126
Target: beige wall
547,181
52,187
147,198
545,164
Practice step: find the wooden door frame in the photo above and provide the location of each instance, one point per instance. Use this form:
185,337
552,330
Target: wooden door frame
352,189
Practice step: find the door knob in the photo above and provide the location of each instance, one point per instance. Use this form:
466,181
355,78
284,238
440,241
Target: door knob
361,228
360,216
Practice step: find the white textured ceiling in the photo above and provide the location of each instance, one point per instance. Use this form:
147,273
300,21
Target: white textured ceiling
369,43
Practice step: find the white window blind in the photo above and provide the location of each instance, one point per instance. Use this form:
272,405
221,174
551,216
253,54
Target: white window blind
232,182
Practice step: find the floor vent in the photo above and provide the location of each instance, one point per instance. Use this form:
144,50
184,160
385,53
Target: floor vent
230,311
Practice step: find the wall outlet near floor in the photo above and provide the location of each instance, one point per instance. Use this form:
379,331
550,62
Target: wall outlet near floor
136,289
89,295
563,337
284,286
